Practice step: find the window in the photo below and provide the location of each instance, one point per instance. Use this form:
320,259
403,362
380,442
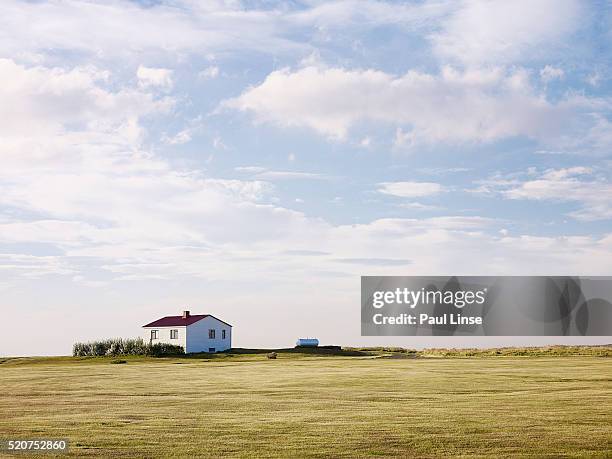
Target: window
173,334
211,333
211,349
222,334
154,334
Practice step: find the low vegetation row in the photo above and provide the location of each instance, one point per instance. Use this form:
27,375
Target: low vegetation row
124,347
542,351
120,346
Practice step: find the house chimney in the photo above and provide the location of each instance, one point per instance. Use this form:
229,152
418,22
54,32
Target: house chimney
185,314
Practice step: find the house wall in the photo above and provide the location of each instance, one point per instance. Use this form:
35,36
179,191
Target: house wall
164,336
197,336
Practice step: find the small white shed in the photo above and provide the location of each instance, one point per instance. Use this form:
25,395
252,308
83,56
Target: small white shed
196,333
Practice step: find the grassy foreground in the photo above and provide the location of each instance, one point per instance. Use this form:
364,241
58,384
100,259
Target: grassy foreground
313,406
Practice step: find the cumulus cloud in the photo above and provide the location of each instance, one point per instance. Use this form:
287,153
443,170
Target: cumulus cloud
41,101
452,106
87,186
97,196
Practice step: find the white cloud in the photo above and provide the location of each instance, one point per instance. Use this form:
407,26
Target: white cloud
573,185
597,140
209,73
369,14
443,170
453,106
41,101
32,267
471,31
92,190
218,144
184,135
179,138
418,206
250,169
128,30
410,189
262,173
594,79
488,32
550,73
290,175
154,77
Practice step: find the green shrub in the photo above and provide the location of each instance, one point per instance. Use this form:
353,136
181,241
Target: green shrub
163,349
80,349
118,346
115,347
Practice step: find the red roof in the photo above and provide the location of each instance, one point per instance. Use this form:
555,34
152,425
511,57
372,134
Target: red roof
178,321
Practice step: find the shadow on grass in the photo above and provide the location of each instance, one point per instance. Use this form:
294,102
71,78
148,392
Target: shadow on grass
323,351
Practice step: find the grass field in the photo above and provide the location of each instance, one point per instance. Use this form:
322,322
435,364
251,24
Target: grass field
312,406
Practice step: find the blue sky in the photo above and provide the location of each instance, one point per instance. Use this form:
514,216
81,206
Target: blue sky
253,159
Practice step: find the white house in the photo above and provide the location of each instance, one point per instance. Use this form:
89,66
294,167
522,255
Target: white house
196,333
